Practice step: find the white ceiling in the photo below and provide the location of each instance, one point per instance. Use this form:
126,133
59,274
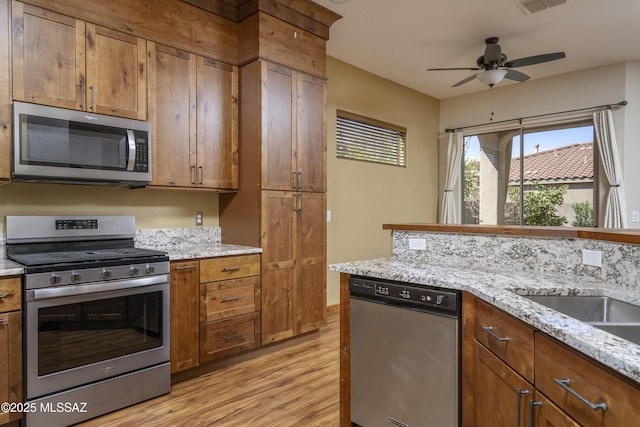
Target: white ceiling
400,39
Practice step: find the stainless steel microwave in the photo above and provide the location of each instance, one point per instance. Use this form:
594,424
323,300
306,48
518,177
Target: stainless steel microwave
58,145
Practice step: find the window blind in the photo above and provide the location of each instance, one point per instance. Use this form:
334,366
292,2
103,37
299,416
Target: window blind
362,138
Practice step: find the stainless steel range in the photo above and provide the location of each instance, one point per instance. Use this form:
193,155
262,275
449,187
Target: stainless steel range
96,316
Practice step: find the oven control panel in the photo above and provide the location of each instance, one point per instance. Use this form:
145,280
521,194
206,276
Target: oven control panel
76,224
412,294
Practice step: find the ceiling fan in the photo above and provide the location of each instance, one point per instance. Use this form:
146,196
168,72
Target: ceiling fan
494,65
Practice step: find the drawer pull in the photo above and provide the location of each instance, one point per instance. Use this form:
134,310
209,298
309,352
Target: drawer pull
519,394
230,269
3,296
531,407
239,297
3,322
566,384
489,330
185,267
231,337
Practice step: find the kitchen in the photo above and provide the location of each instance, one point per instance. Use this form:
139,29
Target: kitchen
351,181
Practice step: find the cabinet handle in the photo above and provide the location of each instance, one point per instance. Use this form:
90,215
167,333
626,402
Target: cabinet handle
299,180
519,394
489,330
531,405
4,296
231,337
566,385
295,180
193,175
82,95
93,97
201,174
231,269
239,297
185,267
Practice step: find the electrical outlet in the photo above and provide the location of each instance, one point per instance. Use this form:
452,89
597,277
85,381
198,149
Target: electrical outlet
635,216
592,258
199,218
418,244
328,216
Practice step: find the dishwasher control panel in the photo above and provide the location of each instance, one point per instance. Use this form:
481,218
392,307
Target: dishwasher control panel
415,295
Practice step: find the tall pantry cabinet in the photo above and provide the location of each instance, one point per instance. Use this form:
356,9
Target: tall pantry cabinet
281,203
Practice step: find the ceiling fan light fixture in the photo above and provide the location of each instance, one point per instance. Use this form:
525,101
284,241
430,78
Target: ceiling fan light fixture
492,77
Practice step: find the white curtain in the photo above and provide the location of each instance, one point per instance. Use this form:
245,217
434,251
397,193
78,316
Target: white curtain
450,214
616,211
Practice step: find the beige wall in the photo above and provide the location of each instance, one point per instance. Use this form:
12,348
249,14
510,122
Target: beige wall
587,88
152,208
361,195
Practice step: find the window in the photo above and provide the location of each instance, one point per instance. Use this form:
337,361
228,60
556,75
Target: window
362,138
551,183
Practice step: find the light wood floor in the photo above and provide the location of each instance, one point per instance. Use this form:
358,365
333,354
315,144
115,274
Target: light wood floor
295,386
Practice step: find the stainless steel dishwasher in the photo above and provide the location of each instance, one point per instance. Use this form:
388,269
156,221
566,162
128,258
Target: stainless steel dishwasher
405,354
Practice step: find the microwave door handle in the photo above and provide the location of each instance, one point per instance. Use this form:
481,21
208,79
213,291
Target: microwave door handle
131,143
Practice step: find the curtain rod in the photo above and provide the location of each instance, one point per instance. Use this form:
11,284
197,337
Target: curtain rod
621,104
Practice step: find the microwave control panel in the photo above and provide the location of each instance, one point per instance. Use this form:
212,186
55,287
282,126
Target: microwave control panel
142,155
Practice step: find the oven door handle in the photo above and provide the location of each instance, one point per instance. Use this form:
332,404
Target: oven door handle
67,291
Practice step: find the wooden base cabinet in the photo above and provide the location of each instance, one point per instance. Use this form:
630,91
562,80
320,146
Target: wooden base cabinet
65,62
10,346
229,305
568,388
185,321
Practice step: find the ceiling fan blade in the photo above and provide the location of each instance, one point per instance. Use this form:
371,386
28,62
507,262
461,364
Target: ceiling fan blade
516,75
531,60
451,69
467,80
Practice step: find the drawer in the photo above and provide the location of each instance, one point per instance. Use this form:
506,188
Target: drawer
10,294
226,268
507,337
588,379
229,298
229,336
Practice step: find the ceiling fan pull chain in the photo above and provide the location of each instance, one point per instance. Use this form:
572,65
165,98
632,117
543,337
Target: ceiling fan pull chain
491,117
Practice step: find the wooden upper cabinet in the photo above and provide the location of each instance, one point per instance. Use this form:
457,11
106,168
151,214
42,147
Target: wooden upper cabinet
172,113
193,110
65,62
6,112
217,125
294,139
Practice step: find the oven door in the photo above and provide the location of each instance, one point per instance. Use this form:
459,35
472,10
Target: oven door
83,337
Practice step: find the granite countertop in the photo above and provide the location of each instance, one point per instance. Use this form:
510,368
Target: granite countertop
10,268
503,289
199,250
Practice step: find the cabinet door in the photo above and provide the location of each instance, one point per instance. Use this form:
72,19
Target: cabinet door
278,264
116,73
278,157
217,122
310,302
184,315
48,57
6,111
496,396
311,142
172,108
10,362
546,414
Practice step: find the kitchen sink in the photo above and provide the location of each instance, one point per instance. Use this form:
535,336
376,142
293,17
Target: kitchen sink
616,317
